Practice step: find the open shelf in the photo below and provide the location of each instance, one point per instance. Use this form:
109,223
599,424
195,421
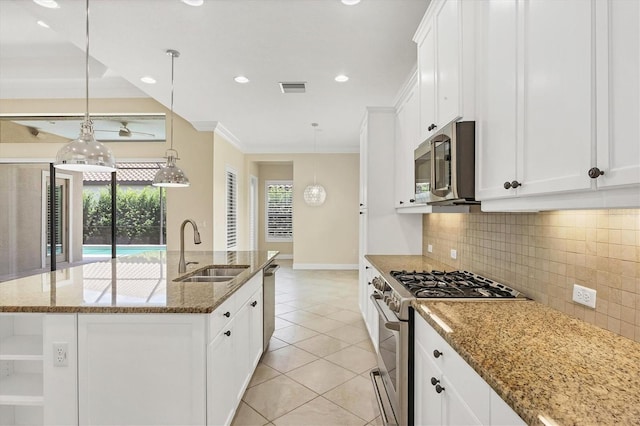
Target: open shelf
21,389
26,348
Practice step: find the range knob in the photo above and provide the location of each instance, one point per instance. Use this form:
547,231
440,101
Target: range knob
394,305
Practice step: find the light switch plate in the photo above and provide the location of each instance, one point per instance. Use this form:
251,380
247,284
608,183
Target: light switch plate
430,248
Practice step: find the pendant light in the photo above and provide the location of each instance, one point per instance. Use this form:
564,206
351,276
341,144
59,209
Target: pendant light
85,154
314,195
170,175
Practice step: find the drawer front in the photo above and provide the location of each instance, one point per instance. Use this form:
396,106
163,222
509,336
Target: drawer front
221,316
248,289
468,384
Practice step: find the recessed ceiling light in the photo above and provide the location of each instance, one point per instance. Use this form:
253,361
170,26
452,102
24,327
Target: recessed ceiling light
241,79
350,2
341,78
42,24
148,79
193,2
51,4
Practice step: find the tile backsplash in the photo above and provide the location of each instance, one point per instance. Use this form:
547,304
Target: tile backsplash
544,254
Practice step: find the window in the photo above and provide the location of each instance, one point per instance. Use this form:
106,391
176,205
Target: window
279,211
232,208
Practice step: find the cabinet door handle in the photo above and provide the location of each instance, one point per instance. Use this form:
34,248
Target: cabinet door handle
412,200
595,173
434,381
254,303
439,389
228,333
507,185
401,202
437,353
361,212
361,204
227,314
515,184
431,127
369,283
366,267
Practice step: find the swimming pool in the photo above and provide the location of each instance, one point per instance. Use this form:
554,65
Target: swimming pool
121,250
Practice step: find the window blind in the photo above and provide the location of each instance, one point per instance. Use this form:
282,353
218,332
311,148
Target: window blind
279,211
232,209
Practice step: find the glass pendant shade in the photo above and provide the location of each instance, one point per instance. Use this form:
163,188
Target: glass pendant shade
170,175
85,154
314,195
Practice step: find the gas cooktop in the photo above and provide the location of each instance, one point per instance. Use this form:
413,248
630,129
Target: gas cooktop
453,284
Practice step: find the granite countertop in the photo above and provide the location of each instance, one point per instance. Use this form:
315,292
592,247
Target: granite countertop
544,363
141,283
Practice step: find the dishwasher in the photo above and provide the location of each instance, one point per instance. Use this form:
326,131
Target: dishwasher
269,303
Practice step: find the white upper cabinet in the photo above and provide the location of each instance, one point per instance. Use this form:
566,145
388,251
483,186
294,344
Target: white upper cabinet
407,133
496,132
556,107
445,64
555,96
618,107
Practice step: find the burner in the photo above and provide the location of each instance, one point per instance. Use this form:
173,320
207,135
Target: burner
458,284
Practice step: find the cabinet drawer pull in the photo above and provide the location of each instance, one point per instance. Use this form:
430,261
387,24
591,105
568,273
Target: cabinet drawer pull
439,389
412,200
515,184
437,353
595,172
401,202
254,303
434,381
227,314
507,185
227,333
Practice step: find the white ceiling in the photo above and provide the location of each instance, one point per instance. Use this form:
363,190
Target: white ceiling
266,40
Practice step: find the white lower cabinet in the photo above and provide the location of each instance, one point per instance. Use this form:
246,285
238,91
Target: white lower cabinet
447,391
369,312
232,357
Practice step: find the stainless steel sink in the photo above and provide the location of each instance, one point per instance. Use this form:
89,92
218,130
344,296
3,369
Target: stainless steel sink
205,279
214,274
223,271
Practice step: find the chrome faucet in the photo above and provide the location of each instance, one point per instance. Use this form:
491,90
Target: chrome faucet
182,266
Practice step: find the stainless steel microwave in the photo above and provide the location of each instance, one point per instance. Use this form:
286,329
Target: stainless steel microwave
445,166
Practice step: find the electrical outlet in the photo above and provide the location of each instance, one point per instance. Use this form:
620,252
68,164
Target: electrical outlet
60,354
430,248
584,295
454,253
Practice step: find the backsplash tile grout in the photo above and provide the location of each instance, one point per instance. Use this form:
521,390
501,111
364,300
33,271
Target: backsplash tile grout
544,254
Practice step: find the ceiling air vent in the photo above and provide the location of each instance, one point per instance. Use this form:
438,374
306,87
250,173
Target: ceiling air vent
293,87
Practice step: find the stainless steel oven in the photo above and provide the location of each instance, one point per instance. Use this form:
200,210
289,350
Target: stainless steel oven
391,377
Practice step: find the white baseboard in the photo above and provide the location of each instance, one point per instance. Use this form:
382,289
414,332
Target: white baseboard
284,256
336,266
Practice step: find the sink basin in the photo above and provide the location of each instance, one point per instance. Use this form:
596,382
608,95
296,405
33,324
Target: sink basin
205,279
214,274
222,271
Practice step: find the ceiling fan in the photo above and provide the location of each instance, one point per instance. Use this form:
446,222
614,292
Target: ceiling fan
125,132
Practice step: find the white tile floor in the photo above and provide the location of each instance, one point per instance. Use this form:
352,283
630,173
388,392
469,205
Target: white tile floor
316,371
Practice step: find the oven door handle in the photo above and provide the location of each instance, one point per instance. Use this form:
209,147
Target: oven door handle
390,325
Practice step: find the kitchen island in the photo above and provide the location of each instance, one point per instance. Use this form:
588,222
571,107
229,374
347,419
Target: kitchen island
126,342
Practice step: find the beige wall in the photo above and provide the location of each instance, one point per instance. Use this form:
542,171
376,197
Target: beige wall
544,254
266,172
195,150
324,236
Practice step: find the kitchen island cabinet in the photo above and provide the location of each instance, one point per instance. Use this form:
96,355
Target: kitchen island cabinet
183,355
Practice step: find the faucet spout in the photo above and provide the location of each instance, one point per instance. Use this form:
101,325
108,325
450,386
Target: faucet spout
182,266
